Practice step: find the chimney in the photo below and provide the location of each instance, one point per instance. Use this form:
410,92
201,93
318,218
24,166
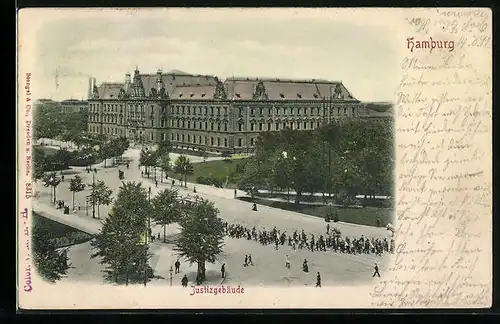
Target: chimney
89,95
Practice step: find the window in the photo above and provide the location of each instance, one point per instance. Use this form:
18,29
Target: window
218,141
211,110
240,127
189,124
183,124
298,125
261,111
298,111
252,111
225,127
178,123
218,111
277,126
206,110
225,111
305,125
189,138
312,125
317,111
260,126
200,126
345,110
218,127
269,126
269,111
177,109
284,111
252,126
240,112
353,110
172,137
211,141
317,124
239,142
206,140
252,141
206,125
199,110
152,136
211,126
163,123
183,110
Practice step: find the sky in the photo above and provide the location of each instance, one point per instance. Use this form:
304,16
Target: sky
247,43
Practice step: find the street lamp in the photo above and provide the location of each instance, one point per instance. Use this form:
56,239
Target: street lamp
146,242
93,194
171,270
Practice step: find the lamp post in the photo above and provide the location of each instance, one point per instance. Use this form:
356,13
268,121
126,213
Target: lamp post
171,270
93,194
146,242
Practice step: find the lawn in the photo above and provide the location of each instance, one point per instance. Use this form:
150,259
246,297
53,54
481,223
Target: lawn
49,151
63,235
216,169
363,216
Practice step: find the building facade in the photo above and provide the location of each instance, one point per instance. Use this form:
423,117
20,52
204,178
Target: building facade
203,113
73,105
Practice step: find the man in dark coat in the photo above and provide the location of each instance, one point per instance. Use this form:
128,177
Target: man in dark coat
376,273
184,281
318,280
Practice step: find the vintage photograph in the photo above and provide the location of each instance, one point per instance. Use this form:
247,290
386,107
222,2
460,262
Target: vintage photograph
191,153
255,158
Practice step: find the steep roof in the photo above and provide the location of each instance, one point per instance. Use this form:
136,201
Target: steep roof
171,81
193,92
109,90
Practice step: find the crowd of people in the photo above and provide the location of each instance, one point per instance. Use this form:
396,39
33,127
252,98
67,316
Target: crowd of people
333,240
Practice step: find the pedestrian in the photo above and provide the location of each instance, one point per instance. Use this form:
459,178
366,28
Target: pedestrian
194,189
156,183
318,280
177,266
235,192
158,236
287,262
327,229
184,281
376,271
62,177
142,173
378,221
250,259
79,206
223,270
173,182
305,267
246,261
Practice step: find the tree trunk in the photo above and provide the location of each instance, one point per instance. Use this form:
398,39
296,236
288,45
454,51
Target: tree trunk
126,277
161,175
201,270
164,233
73,200
297,197
105,163
55,195
98,209
185,180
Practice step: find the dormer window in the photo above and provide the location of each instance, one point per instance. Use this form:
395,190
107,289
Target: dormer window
299,95
191,95
282,95
315,95
238,95
180,95
203,94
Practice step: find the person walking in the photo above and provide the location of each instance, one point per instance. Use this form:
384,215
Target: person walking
318,280
184,281
223,270
250,259
177,266
246,261
235,192
287,262
376,273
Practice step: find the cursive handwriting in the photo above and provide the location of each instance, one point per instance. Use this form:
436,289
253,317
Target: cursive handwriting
443,137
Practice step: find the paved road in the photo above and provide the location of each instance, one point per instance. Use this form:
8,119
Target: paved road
337,266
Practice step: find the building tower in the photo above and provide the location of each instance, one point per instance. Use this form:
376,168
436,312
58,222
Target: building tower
91,88
128,81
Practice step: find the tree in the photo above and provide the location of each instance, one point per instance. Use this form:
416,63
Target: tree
184,167
202,235
164,147
76,185
100,195
50,263
164,164
121,242
148,158
166,209
51,180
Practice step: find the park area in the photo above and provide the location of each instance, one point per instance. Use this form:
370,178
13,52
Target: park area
222,171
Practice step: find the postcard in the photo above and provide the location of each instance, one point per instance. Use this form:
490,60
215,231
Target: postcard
224,158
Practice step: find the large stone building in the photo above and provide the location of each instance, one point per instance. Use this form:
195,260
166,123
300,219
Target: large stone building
203,112
74,105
